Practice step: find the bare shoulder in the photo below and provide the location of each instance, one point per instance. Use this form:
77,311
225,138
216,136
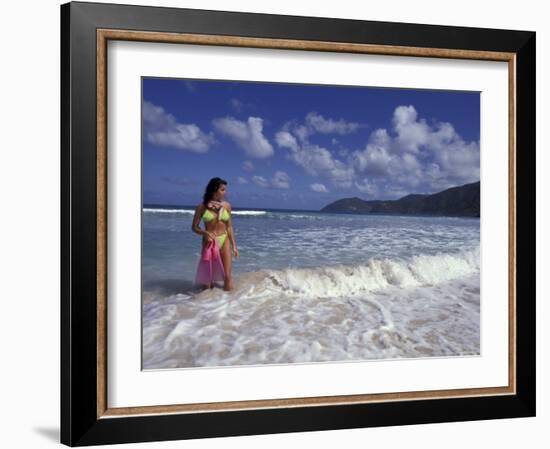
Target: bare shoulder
228,205
199,208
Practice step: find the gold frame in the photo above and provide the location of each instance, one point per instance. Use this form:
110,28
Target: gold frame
103,35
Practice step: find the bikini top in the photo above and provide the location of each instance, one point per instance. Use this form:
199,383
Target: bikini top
209,215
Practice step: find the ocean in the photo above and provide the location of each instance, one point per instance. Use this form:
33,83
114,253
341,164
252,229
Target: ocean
311,287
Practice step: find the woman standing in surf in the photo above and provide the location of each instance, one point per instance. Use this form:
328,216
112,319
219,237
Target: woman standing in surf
218,235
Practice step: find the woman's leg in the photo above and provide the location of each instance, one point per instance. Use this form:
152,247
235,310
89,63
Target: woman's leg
211,285
225,253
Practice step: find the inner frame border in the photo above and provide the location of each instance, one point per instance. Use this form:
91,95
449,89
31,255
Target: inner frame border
105,34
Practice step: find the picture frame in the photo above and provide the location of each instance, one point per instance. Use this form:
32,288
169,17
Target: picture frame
86,28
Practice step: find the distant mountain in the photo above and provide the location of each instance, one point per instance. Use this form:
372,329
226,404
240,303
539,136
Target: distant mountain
460,201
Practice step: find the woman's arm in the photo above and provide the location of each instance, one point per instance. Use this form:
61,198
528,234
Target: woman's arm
230,232
197,219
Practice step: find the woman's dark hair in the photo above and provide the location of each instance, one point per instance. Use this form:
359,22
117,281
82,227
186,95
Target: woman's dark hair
211,188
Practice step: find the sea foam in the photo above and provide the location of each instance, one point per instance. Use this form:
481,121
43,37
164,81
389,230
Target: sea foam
386,308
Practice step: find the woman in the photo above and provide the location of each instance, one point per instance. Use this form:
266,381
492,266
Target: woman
216,213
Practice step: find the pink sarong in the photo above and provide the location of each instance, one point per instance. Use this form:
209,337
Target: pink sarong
210,266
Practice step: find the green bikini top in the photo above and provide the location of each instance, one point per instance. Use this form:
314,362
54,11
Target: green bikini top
209,215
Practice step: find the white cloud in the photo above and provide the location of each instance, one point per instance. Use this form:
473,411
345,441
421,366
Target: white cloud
248,166
237,104
415,157
280,180
317,123
246,135
411,134
456,158
318,161
292,131
341,175
314,159
367,186
317,187
405,169
381,138
286,140
374,159
161,128
241,180
435,157
302,132
344,152
260,181
240,106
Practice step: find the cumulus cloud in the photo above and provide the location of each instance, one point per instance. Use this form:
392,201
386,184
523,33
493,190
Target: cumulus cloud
457,160
248,166
260,181
344,152
411,155
318,161
162,128
314,159
417,156
239,105
241,180
279,180
367,186
317,123
373,160
286,140
247,135
411,133
317,187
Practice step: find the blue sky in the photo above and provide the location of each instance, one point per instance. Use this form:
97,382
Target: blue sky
302,146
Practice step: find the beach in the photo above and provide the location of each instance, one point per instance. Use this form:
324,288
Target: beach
312,287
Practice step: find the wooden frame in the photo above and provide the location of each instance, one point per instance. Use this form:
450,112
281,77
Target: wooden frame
85,30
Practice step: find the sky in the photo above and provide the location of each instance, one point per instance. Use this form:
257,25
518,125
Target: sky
303,146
